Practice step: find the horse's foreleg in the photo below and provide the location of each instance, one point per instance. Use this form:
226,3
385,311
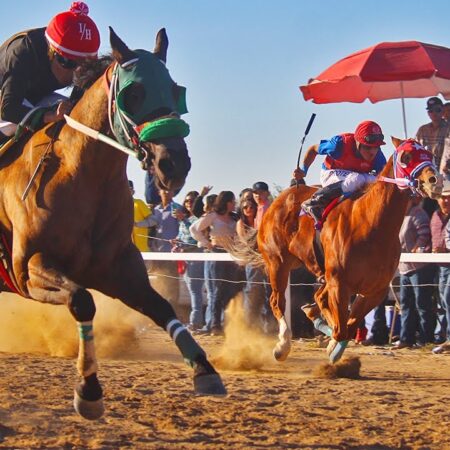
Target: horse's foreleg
362,306
50,286
333,301
279,277
128,281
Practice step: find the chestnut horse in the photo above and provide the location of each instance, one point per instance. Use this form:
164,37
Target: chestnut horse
73,230
360,246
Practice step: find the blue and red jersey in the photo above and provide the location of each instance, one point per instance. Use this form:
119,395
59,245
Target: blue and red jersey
341,153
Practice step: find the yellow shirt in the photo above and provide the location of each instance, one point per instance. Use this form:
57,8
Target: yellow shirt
140,235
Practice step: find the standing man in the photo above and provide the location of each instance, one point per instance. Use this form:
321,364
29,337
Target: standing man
261,196
432,135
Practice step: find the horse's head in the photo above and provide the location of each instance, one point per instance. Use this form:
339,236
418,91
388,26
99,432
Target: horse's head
145,107
414,163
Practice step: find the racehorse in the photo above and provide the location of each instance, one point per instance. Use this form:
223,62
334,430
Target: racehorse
360,243
73,230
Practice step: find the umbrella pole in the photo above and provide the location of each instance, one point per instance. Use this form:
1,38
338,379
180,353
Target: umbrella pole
403,111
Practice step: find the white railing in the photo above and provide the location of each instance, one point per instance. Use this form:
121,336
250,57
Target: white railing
437,258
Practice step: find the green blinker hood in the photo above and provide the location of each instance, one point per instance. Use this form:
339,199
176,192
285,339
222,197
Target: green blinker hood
160,92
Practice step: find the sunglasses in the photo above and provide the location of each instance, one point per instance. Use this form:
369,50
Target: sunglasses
248,207
371,138
67,63
436,110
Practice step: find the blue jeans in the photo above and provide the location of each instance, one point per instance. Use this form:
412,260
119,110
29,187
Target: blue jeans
416,306
222,291
255,295
444,299
194,281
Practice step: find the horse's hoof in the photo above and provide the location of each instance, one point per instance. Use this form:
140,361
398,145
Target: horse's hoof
209,384
336,349
91,410
281,355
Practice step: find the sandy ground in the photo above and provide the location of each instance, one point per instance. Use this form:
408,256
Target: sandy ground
401,400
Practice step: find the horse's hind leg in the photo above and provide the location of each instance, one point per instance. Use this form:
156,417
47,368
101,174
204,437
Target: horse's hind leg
127,280
279,277
48,285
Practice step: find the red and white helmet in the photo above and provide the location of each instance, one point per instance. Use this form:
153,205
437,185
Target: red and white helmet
73,34
369,133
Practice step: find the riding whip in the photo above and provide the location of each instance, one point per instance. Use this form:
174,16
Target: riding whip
311,120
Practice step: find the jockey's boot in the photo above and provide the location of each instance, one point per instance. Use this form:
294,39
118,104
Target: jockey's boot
320,199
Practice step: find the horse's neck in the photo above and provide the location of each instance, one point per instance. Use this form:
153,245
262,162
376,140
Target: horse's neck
92,108
385,204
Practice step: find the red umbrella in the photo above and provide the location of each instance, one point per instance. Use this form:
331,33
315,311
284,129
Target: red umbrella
385,71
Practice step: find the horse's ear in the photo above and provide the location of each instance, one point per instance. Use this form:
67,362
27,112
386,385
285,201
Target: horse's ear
121,53
161,44
396,141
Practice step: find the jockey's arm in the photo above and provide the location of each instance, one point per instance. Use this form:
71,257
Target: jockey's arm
64,107
309,158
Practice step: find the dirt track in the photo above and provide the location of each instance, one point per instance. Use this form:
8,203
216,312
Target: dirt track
401,401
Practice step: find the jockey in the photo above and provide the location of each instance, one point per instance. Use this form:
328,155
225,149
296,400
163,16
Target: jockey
350,162
36,62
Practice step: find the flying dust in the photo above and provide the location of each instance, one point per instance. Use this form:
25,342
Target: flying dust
245,346
33,327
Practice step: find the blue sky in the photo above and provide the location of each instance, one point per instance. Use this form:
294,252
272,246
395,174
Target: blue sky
242,62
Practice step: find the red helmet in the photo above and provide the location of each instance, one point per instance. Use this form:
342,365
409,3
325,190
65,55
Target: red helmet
73,34
369,133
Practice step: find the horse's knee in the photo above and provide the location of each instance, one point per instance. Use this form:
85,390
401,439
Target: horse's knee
82,305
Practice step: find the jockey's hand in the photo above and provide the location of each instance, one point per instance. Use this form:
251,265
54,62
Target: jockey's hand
298,174
64,107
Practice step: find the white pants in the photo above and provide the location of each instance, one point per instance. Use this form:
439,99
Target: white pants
351,181
9,128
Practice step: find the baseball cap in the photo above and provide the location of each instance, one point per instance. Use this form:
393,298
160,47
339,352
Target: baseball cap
434,101
260,186
446,188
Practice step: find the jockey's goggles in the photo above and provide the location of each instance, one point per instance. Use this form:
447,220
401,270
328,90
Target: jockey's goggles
66,63
373,138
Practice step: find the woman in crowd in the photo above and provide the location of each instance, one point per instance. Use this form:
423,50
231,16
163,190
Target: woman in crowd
222,227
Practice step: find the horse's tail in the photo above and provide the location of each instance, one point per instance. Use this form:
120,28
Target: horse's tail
244,249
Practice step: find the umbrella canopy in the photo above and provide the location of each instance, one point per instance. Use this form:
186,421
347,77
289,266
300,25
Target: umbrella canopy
385,71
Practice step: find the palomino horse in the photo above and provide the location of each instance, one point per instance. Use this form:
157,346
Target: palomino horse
73,230
360,245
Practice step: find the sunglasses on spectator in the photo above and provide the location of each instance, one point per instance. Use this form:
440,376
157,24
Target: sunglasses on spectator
248,206
67,63
188,200
371,138
437,109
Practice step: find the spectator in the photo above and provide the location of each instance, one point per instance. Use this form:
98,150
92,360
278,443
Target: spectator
167,230
432,134
141,212
222,227
261,195
198,206
255,292
193,275
446,112
415,279
37,62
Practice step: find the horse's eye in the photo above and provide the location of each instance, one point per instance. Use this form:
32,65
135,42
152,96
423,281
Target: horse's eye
132,98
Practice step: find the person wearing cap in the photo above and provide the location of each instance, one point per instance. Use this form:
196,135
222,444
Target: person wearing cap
351,160
36,62
440,234
432,135
261,196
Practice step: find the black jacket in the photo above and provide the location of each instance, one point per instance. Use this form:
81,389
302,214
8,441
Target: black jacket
25,73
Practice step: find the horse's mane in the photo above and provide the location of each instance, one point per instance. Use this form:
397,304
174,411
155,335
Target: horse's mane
91,70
